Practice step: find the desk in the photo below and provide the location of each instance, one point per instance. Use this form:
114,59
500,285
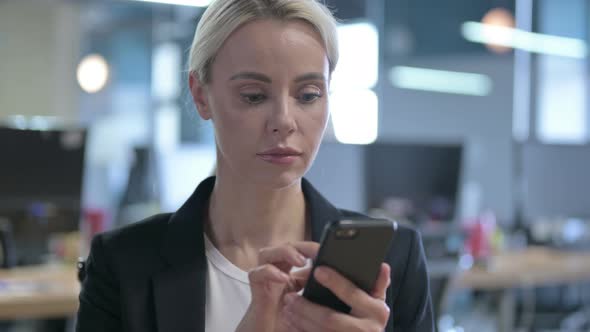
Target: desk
38,292
530,267
534,266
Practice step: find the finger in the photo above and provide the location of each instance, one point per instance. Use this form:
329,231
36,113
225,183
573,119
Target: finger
280,255
298,323
309,249
293,253
309,316
267,273
286,325
383,281
299,278
362,304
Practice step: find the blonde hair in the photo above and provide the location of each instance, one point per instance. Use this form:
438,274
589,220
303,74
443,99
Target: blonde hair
223,17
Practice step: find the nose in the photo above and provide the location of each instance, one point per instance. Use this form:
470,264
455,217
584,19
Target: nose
282,119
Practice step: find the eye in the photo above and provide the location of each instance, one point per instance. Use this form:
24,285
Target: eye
253,98
309,97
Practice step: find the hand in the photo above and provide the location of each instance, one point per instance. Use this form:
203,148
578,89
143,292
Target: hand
369,311
271,280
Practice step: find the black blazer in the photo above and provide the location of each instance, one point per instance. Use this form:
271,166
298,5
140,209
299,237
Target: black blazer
150,276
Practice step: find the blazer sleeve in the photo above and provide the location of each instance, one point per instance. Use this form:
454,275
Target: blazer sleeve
412,309
100,307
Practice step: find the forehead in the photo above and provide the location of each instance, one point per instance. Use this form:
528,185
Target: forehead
270,45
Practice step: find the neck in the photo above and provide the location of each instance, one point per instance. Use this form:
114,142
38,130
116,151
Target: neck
245,217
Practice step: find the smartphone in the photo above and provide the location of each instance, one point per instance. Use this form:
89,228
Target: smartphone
355,248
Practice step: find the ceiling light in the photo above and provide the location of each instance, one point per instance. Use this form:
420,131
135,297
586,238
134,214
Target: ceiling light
92,73
498,17
524,40
440,81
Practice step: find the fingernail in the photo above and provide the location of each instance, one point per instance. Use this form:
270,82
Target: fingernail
386,307
301,259
321,274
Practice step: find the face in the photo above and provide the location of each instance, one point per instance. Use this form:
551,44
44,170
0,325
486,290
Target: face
268,101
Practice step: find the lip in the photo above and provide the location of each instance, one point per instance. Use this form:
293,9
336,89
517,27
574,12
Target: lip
281,151
280,155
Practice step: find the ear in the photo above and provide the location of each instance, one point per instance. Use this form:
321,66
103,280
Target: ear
199,93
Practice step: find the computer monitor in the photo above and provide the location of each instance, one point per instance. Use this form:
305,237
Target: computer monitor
419,182
40,186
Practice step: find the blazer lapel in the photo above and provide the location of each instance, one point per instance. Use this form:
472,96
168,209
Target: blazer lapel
180,288
321,211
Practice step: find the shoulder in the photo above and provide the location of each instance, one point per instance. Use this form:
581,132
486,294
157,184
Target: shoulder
133,245
144,231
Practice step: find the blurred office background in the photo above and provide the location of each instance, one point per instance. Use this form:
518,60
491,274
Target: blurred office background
467,119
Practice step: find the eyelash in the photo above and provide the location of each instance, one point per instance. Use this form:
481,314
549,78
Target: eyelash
315,95
246,97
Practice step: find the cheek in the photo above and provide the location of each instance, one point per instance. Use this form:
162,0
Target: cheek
315,124
313,132
235,129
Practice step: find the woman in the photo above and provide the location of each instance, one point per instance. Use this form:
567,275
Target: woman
260,71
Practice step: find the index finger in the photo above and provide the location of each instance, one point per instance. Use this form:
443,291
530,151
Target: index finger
299,278
309,249
288,255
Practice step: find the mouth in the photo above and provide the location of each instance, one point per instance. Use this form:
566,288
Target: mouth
280,155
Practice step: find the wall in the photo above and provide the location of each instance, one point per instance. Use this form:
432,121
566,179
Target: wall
39,50
338,173
557,181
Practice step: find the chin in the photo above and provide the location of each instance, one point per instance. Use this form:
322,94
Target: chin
280,180
267,176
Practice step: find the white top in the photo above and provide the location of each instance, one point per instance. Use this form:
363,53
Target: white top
228,291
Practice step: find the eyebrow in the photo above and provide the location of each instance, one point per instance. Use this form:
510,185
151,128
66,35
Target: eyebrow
263,78
310,77
250,75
